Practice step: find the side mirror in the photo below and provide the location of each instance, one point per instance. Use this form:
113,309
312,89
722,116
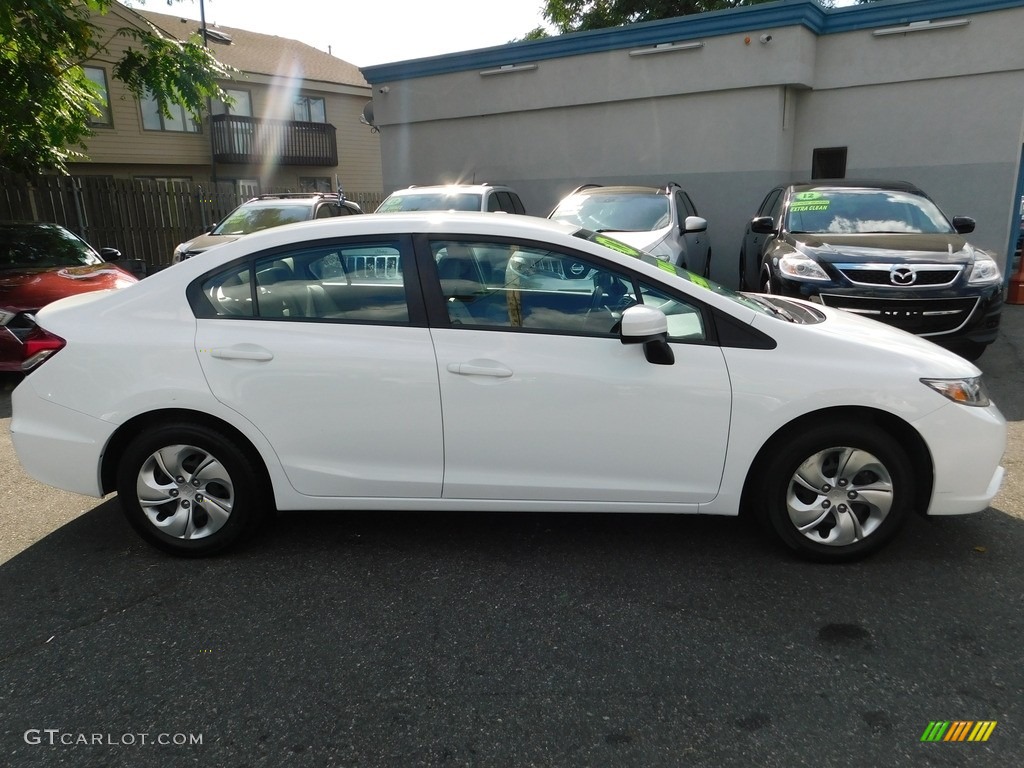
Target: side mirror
647,326
695,224
110,254
762,225
963,224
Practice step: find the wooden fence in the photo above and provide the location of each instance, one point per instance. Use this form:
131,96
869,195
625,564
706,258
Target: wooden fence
141,218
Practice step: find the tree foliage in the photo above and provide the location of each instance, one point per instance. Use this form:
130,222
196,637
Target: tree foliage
46,100
580,15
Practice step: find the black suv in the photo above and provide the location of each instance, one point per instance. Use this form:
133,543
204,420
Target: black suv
264,212
883,250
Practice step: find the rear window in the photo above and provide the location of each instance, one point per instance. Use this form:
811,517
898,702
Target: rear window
431,201
863,211
245,220
43,246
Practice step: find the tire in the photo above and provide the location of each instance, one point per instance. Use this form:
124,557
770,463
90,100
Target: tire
836,492
707,266
766,279
743,272
190,490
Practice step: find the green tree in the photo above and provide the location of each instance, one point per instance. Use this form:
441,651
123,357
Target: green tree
46,100
579,15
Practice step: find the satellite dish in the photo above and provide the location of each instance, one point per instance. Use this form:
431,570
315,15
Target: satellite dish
367,117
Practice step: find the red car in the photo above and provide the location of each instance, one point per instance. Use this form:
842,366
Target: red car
40,263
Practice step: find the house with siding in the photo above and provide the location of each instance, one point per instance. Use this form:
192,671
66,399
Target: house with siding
293,122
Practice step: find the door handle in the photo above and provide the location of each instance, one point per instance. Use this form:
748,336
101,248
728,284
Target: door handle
480,369
243,352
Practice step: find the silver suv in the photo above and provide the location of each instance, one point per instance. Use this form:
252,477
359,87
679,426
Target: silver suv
454,197
264,212
660,220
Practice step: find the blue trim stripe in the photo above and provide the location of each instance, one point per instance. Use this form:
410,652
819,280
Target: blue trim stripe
744,20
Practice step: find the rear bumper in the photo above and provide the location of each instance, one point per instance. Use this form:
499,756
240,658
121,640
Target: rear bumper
55,445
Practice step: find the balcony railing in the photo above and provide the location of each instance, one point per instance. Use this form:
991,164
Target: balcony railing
238,139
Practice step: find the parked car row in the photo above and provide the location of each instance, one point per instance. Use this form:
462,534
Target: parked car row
880,249
485,362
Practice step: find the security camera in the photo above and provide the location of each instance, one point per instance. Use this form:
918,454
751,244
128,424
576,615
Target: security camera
765,39
385,89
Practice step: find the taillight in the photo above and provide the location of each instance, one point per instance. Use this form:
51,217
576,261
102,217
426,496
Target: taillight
39,345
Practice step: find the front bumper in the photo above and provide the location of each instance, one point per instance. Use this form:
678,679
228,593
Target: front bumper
967,445
946,317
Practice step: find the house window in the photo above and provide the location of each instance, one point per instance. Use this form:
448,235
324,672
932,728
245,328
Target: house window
98,77
829,163
314,184
166,179
241,103
310,109
179,120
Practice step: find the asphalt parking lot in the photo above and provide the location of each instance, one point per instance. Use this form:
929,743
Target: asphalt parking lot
509,640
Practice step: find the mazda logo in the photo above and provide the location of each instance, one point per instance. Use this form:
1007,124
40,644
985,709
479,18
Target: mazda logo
902,276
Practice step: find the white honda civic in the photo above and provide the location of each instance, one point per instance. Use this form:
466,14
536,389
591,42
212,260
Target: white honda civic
481,362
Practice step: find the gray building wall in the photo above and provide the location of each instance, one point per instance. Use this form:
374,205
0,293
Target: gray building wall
943,108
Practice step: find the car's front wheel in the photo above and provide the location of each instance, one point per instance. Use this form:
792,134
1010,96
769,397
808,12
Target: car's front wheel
766,279
190,490
835,492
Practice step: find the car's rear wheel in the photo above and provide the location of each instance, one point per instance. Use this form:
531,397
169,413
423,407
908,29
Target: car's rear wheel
836,492
190,490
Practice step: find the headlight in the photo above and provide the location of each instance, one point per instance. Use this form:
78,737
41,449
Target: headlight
964,391
985,270
800,267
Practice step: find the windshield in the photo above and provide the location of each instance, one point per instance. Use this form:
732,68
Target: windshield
863,211
703,282
244,220
431,201
44,246
613,212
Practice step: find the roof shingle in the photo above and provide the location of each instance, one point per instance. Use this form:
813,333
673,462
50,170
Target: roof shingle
257,53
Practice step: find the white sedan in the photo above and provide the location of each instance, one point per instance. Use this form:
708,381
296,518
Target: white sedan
447,361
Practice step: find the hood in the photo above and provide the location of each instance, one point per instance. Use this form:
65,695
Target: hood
845,334
27,289
201,243
645,240
886,248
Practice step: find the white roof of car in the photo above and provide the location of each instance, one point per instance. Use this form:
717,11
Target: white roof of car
478,188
